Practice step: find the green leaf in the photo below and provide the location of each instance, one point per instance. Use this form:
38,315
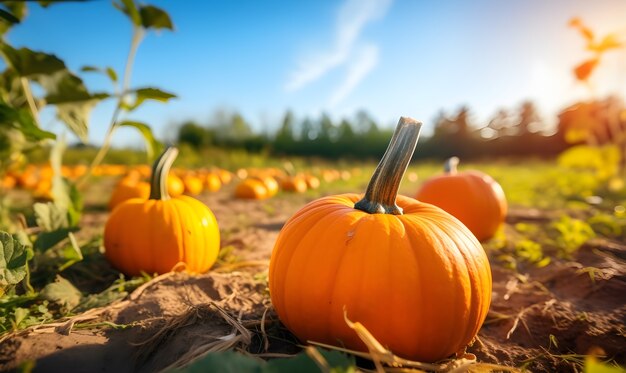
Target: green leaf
129,8
47,240
73,102
108,71
8,17
72,253
13,260
112,74
153,146
62,292
19,315
22,120
15,10
64,193
143,94
28,63
156,18
50,217
230,361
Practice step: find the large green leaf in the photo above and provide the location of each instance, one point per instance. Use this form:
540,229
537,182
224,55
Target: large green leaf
47,240
13,260
129,8
64,193
13,14
28,63
8,17
72,99
153,146
22,120
62,292
143,94
155,18
50,217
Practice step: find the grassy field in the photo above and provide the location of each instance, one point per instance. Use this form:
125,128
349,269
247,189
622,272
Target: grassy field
558,266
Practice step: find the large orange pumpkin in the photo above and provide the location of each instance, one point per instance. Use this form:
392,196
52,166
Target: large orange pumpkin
473,197
411,273
154,235
251,189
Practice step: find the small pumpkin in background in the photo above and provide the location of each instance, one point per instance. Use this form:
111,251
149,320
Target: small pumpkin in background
175,185
156,234
295,184
411,273
212,182
251,189
473,197
225,176
269,182
312,182
193,185
127,188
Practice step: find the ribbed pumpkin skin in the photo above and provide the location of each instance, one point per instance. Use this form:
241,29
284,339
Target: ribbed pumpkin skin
473,197
154,235
419,282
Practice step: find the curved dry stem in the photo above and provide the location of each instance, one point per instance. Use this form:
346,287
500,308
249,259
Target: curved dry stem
382,190
160,170
450,167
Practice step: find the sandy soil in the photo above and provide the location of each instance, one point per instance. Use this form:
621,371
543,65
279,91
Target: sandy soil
539,316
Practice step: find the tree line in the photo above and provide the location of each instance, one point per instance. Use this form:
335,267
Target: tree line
517,132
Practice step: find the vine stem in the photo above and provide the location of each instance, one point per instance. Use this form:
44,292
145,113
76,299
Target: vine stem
382,190
29,98
106,144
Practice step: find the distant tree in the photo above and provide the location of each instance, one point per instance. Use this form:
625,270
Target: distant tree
194,135
501,123
528,118
284,141
364,123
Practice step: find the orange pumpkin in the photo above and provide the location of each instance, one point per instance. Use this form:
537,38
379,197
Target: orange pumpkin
312,182
225,176
295,184
411,273
193,185
213,182
251,189
475,198
128,188
175,185
269,182
156,234
8,182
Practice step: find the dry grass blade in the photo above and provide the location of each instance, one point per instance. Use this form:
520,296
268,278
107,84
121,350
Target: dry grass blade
238,337
386,361
137,293
319,360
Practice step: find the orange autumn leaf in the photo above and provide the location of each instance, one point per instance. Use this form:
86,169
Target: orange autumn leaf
584,70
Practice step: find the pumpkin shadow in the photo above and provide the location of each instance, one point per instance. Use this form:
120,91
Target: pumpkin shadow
271,226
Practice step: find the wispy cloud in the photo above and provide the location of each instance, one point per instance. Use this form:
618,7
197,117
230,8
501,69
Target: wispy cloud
352,17
364,61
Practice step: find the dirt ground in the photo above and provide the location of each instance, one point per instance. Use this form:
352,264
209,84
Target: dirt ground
540,318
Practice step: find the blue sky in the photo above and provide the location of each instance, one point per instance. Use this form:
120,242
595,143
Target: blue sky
390,57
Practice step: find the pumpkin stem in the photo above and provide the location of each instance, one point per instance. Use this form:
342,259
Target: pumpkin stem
160,170
382,190
450,166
